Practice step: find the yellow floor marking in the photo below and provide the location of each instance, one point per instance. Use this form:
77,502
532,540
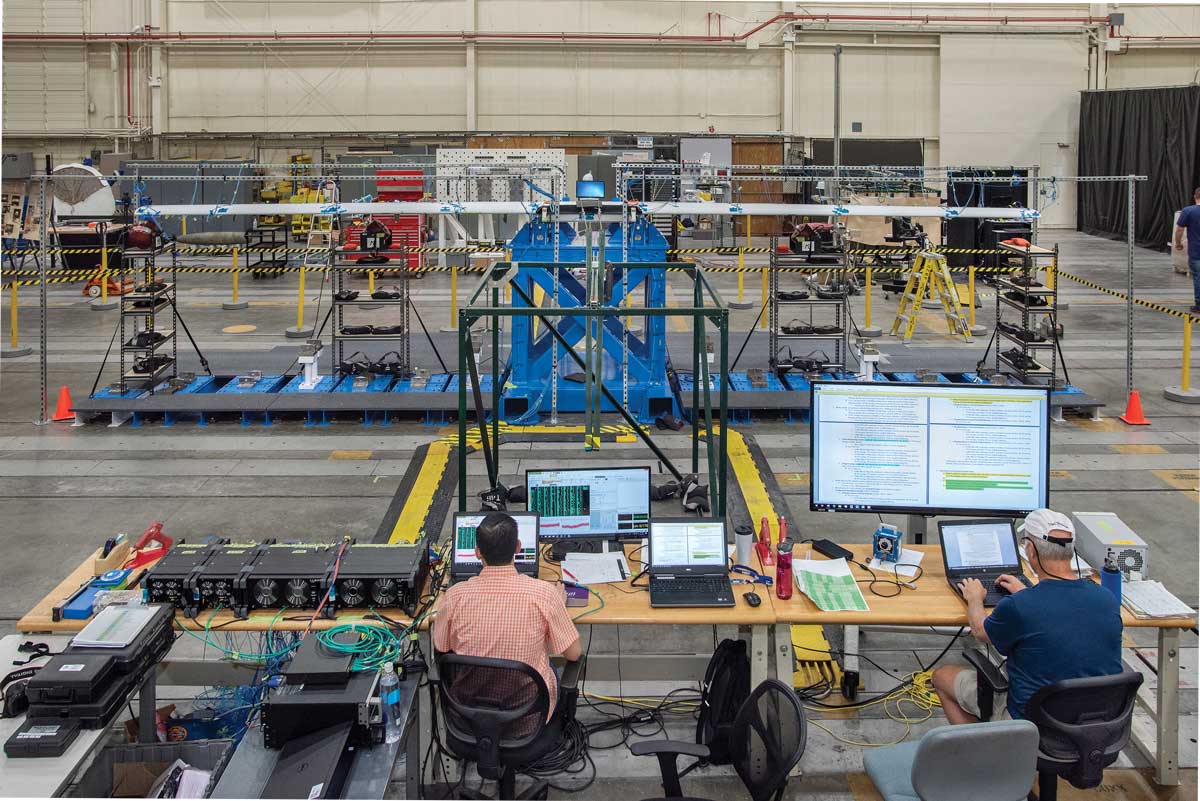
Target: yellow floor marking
1139,448
350,455
1186,480
861,786
239,329
677,322
1060,474
1103,424
793,479
410,525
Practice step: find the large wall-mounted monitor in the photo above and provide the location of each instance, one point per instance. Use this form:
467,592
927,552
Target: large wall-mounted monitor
949,449
605,503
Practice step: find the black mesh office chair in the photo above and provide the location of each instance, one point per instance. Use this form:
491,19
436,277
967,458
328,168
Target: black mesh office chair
766,742
496,715
1082,723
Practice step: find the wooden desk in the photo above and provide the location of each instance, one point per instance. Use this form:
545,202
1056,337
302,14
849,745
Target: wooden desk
40,618
934,603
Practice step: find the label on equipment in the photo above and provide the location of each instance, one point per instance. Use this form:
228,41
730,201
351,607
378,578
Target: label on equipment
39,731
315,792
71,668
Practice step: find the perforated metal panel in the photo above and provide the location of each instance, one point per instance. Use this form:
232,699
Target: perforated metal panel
465,162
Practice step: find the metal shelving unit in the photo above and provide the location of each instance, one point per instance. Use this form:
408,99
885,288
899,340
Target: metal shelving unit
1032,352
343,265
142,312
832,309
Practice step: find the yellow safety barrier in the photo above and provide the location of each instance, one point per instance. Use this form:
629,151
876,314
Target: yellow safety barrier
370,282
236,273
1185,380
12,317
971,295
300,303
103,276
741,275
867,300
453,299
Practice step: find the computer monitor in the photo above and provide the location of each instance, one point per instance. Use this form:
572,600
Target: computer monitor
925,449
692,542
580,503
979,545
589,190
466,563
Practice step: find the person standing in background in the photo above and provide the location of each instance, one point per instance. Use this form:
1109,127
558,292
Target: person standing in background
1189,220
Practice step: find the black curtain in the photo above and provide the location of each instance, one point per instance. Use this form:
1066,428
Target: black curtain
1151,132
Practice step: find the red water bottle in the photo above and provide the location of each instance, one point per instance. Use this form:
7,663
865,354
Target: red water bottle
766,553
783,572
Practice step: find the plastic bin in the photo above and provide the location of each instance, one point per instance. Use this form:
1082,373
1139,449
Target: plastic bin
210,755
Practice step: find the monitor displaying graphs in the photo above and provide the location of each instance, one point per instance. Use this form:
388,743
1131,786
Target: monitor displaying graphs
929,448
612,502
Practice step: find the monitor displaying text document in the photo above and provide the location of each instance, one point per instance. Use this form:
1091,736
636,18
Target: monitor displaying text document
929,448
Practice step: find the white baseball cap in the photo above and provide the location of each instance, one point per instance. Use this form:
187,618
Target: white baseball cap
1040,522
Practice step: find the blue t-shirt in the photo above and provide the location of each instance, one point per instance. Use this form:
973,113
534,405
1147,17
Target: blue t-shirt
1052,631
1189,218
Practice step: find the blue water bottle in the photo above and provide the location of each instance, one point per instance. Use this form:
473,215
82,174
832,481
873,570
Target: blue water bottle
1110,577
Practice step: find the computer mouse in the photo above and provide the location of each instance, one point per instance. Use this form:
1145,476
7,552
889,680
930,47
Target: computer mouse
752,598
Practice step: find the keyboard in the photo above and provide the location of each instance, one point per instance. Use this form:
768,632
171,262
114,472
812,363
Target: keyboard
994,593
691,591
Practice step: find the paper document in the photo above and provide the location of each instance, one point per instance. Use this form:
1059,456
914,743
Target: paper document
907,566
830,585
1150,599
114,627
595,568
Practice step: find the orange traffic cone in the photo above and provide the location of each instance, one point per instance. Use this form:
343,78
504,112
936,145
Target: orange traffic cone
1133,411
63,410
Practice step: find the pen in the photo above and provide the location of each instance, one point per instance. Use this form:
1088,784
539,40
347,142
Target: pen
621,567
570,575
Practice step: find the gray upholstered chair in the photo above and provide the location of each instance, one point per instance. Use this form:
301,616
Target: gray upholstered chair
979,761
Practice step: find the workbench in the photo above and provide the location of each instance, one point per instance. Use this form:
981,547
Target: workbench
934,603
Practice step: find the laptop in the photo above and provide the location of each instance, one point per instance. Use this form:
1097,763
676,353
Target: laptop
465,564
689,564
980,549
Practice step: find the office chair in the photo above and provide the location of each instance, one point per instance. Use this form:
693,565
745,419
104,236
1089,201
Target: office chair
1083,723
980,761
495,713
766,741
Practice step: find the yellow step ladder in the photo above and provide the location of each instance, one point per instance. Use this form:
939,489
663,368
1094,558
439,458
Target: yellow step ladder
930,275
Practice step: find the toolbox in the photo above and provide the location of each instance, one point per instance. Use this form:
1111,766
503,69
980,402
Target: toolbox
72,678
92,715
39,737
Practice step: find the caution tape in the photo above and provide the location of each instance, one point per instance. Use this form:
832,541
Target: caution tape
1146,304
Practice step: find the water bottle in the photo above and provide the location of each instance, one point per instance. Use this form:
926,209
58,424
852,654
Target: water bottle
1110,577
783,571
766,553
389,698
744,536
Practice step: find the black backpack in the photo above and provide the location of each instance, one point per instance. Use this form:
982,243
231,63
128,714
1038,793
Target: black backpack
726,687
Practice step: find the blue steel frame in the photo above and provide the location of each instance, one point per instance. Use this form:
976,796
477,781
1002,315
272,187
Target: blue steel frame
531,358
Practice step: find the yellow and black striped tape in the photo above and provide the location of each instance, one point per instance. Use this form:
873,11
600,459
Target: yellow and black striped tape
1158,307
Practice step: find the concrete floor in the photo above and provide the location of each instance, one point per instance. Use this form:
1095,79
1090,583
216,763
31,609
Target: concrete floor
63,489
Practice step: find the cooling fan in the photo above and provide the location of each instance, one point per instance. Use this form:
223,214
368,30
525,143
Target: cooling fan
265,593
298,590
81,191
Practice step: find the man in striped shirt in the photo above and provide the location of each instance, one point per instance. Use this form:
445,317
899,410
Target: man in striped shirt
501,614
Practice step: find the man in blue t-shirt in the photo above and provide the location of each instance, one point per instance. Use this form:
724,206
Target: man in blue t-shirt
1189,220
1063,627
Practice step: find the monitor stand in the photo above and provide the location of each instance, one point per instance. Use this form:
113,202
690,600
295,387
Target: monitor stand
918,526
